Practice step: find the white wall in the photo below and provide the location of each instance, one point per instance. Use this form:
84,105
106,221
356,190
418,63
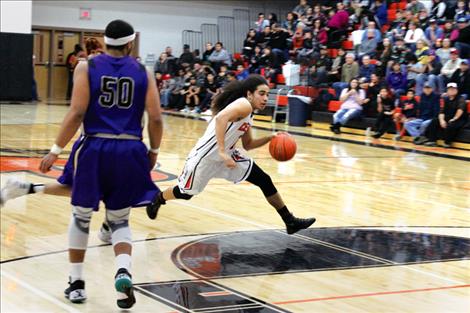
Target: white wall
160,23
15,16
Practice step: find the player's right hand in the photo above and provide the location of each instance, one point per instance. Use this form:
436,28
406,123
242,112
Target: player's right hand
228,161
47,162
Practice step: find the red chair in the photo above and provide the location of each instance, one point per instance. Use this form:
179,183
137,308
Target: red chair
333,53
373,61
402,5
237,56
334,105
281,79
391,15
385,28
282,100
348,45
332,92
394,6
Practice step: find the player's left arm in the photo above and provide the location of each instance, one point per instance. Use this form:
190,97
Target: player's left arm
249,143
74,117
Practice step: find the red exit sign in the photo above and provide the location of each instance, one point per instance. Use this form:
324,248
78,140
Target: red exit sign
85,13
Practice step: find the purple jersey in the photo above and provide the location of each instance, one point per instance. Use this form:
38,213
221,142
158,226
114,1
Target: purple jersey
118,87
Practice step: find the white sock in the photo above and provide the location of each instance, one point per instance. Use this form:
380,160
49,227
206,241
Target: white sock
76,271
123,261
38,188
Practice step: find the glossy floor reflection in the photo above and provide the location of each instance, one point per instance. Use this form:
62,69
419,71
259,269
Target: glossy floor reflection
268,252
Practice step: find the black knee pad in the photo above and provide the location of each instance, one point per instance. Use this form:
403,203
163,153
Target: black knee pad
259,178
179,195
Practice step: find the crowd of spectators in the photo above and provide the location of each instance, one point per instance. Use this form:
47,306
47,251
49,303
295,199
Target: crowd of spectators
403,59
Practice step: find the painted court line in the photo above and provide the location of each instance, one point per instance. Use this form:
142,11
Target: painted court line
38,292
371,294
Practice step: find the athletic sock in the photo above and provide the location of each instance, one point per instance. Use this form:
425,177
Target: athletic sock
76,271
161,199
285,214
123,261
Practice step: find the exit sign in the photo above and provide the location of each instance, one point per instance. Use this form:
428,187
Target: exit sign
85,13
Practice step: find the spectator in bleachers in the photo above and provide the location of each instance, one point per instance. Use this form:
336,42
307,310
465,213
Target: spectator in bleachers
162,64
379,9
271,63
338,23
349,70
385,57
191,95
242,73
366,69
249,44
197,55
335,73
308,19
407,111
272,18
369,46
422,51
450,31
318,15
461,11
413,34
415,6
175,86
278,42
187,57
352,99
221,78
367,106
207,53
385,108
320,68
319,34
452,117
220,56
462,78
263,38
301,8
159,80
397,24
396,80
261,23
462,42
438,10
296,44
290,24
433,31
371,27
428,109
423,19
210,89
449,68
358,7
432,69
254,60
306,52
444,52
399,51
414,68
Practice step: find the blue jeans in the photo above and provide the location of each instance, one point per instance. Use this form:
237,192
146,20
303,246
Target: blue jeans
443,80
338,87
417,127
421,79
165,97
342,116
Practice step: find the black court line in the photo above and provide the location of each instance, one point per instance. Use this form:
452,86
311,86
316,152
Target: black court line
225,233
352,141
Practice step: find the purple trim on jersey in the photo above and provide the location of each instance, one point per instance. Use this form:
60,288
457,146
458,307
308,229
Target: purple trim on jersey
118,87
115,171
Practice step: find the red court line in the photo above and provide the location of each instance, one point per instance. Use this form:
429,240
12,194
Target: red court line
370,294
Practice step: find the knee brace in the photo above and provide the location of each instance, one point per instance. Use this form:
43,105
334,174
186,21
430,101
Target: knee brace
179,195
118,221
79,227
259,178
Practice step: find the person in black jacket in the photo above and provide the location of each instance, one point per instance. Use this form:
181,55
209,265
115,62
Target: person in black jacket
462,43
462,78
385,107
452,117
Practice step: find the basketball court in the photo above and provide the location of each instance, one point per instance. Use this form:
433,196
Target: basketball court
392,231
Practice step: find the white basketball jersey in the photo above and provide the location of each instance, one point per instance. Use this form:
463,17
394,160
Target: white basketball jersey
207,144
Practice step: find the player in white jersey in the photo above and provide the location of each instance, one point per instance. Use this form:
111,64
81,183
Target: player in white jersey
215,155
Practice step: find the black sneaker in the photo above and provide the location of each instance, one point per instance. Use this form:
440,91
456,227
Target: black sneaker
123,285
296,224
154,206
76,291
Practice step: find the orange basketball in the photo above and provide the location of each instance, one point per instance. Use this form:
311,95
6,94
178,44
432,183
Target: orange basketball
282,147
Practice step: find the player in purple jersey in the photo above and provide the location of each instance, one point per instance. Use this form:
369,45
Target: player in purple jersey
111,163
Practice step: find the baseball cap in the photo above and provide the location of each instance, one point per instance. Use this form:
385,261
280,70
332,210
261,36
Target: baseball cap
427,85
454,51
363,80
464,62
452,85
186,46
433,20
462,20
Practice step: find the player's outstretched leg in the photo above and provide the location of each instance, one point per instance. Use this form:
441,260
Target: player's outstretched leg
15,188
293,224
169,194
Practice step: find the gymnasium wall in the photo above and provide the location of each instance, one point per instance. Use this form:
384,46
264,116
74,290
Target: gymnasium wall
160,23
15,16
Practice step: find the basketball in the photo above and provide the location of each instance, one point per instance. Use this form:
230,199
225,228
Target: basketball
282,147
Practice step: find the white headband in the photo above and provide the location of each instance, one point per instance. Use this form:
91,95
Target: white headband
119,41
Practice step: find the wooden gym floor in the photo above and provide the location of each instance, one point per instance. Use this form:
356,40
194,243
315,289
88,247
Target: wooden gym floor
392,231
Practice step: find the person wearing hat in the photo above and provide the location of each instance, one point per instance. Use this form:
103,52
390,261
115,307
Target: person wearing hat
462,78
428,109
448,69
186,58
462,43
452,117
431,73
433,31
